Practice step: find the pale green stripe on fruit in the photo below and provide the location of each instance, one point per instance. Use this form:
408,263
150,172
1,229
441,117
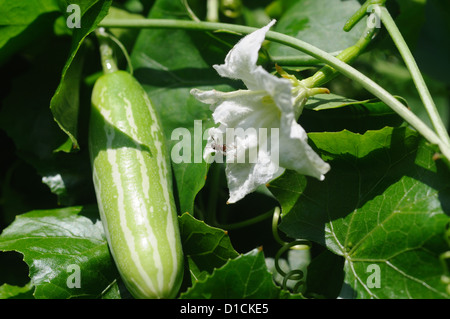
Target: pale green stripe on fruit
142,216
163,172
116,176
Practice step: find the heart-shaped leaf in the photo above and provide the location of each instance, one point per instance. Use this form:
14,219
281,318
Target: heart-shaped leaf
65,101
67,254
245,277
383,207
320,23
205,247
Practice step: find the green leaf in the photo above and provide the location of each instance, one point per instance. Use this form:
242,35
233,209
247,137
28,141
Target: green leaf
383,204
205,247
391,73
64,104
15,292
320,23
168,79
255,14
126,36
331,112
373,107
404,11
288,188
433,45
325,276
22,22
245,277
18,13
26,106
66,252
328,101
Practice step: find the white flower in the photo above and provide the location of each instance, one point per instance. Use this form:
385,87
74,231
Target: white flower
267,114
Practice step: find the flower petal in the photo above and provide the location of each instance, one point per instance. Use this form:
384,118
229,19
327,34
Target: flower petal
240,62
242,108
245,178
296,154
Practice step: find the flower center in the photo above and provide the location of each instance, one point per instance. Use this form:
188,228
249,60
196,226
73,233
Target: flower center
300,91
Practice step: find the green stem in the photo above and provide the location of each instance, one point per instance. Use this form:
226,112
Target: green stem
176,24
300,245
275,218
304,244
298,60
106,52
214,182
365,82
300,45
361,13
348,55
247,222
212,10
416,75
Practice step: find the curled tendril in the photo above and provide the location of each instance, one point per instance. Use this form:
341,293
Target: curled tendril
292,273
296,274
444,257
275,218
298,244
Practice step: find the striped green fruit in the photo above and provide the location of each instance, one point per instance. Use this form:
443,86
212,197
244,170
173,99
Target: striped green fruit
132,179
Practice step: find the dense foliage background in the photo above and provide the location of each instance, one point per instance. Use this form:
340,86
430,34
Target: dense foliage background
386,201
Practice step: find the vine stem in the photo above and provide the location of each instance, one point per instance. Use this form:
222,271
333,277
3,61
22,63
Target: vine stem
214,178
212,10
417,77
300,45
366,7
298,60
327,73
247,222
106,52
